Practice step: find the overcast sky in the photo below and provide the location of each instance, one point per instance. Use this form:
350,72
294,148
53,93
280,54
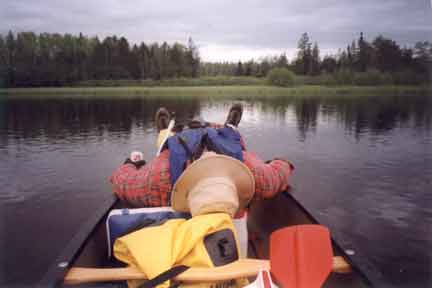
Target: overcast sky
227,29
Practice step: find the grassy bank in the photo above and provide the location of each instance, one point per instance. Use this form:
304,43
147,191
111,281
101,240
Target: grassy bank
244,91
176,82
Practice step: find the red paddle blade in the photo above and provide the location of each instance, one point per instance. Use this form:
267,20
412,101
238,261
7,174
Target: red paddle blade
301,256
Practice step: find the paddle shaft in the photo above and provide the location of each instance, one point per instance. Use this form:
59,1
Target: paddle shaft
170,127
237,269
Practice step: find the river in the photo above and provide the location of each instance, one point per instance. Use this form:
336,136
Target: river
363,168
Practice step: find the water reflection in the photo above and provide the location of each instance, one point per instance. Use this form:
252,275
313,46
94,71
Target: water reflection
359,114
33,118
364,167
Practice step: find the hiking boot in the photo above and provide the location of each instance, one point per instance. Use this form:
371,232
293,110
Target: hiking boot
234,114
162,119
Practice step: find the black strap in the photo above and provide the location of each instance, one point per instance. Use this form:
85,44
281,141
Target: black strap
198,151
144,224
183,142
164,276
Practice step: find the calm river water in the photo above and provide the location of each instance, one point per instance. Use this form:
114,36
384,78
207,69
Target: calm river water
364,168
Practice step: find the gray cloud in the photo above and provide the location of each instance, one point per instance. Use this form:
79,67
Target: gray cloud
254,24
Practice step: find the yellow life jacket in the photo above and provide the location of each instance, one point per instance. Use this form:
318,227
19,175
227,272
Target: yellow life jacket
177,242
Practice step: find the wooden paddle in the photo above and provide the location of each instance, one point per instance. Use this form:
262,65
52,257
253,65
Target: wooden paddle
168,134
301,256
303,252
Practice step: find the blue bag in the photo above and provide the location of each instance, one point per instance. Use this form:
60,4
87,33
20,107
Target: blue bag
124,221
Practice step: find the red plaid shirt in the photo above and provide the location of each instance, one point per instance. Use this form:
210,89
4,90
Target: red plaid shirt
150,186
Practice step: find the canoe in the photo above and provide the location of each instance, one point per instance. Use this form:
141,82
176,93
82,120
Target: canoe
89,247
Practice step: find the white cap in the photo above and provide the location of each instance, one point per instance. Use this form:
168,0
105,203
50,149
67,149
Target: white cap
136,156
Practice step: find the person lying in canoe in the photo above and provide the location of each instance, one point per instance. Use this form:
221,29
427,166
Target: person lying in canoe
142,184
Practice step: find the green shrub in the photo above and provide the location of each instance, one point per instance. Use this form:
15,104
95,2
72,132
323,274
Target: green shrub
407,77
3,77
372,77
327,79
281,77
387,79
343,77
170,82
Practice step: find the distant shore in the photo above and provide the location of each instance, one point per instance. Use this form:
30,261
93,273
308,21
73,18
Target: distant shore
244,91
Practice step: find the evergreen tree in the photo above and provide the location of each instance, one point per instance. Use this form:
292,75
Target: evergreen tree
10,46
144,61
135,63
239,71
165,65
193,58
349,58
156,62
308,61
249,68
123,59
27,59
3,62
303,55
354,55
177,60
282,61
364,54
329,64
388,54
315,60
264,68
82,57
422,57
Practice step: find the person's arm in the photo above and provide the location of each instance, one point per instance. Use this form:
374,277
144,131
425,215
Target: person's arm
147,186
120,179
270,178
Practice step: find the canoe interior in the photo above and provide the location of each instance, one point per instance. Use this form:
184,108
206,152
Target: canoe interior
263,218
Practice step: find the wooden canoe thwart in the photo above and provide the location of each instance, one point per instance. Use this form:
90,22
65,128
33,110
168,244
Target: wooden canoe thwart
237,269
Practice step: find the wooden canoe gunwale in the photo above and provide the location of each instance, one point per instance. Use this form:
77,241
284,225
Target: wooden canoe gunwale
336,246
57,271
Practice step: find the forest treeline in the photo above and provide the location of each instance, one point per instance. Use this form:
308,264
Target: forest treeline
381,60
28,59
